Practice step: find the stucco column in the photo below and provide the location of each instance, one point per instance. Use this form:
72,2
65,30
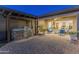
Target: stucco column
8,29
36,26
78,26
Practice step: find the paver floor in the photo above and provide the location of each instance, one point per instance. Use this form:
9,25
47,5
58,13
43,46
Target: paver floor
43,44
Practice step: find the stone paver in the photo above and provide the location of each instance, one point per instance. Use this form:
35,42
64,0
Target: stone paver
48,44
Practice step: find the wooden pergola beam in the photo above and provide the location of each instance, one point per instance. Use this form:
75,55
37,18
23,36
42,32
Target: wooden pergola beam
17,17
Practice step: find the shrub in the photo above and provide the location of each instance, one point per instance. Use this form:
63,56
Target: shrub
72,33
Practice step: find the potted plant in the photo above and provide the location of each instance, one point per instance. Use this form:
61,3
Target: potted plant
73,36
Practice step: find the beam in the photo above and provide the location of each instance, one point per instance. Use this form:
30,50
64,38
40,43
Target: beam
20,17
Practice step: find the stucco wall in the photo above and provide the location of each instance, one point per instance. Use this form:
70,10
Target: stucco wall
14,23
70,18
2,28
2,23
44,23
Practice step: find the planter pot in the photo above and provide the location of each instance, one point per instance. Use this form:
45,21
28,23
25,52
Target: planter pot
41,33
